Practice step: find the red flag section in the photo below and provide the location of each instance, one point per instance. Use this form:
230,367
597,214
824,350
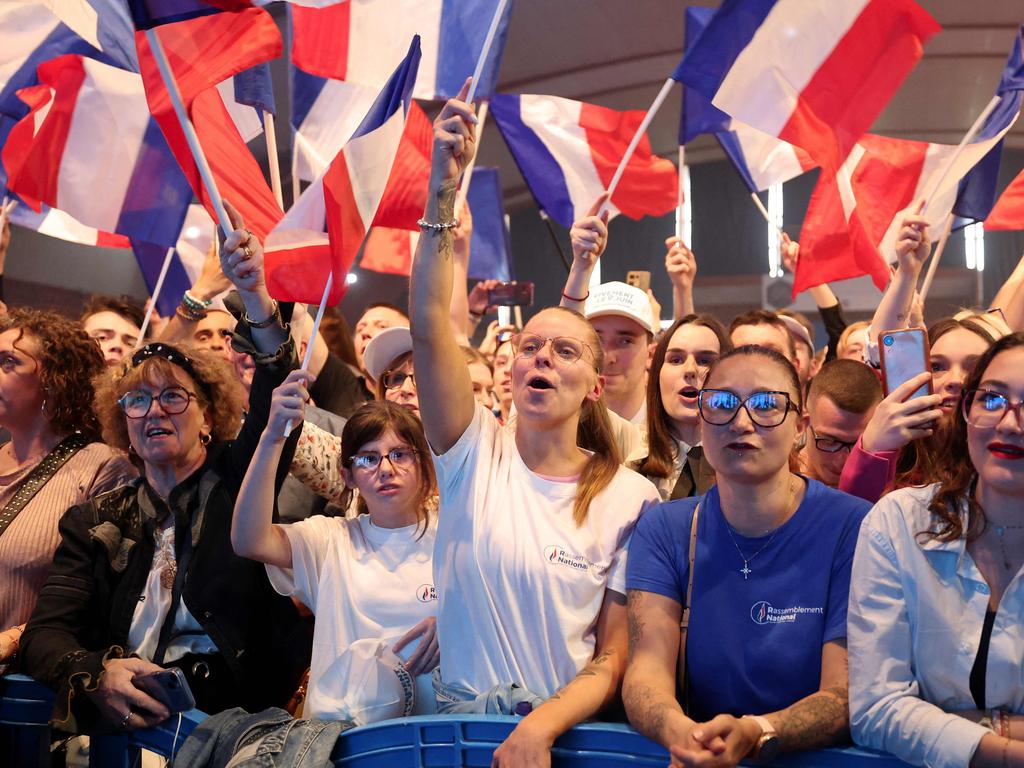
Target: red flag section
405,195
1008,212
203,52
320,40
389,251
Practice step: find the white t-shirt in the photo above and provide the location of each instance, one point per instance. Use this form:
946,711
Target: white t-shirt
361,581
520,585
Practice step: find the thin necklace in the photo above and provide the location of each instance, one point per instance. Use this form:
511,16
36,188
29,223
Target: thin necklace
1000,530
745,570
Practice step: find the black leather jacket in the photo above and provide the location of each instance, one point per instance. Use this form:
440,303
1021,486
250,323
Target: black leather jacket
100,569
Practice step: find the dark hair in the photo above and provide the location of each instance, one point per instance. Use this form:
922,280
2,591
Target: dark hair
68,360
918,459
764,317
385,305
338,336
661,447
956,474
852,386
125,306
398,362
473,355
368,423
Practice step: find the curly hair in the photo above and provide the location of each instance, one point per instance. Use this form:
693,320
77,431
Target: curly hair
957,472
67,359
224,403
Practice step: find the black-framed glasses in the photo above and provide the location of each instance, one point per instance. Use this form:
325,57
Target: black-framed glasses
767,408
830,444
400,458
985,408
565,348
396,379
173,400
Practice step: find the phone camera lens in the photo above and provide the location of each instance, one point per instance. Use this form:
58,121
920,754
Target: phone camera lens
887,340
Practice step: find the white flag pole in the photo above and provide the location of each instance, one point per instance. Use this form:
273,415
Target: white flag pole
681,194
312,335
152,299
499,11
934,265
270,134
190,132
467,175
640,131
764,212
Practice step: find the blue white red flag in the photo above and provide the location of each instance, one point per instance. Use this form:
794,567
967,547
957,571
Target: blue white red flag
814,73
54,223
568,152
322,233
352,41
89,121
197,234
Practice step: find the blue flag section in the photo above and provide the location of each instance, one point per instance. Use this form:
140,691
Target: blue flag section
147,14
151,260
253,87
699,115
489,247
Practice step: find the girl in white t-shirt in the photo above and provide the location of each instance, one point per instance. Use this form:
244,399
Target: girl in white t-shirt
368,579
535,517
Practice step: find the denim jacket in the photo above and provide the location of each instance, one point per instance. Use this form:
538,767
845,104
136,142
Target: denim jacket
917,607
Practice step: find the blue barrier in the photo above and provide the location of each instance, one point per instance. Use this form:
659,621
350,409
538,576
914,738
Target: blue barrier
412,742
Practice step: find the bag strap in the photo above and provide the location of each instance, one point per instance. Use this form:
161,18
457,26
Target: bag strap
40,476
684,622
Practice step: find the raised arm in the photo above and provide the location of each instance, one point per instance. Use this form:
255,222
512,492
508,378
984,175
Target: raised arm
460,316
441,375
589,238
912,249
211,282
253,532
681,266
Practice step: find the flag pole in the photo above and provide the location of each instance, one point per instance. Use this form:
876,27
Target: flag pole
312,335
948,165
554,237
934,265
460,199
640,131
499,11
681,193
270,134
764,212
190,132
152,300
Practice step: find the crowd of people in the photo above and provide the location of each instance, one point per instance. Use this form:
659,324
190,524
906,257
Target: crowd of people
730,536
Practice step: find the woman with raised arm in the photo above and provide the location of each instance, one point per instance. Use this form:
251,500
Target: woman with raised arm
936,640
367,579
756,573
535,517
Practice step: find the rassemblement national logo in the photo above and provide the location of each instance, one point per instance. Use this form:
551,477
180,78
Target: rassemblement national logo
425,593
762,612
556,555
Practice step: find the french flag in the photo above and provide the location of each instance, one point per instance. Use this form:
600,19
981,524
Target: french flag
760,159
351,41
568,152
1008,212
54,223
814,74
197,233
299,254
89,121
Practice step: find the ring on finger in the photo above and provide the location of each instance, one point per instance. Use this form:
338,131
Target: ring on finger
127,717
247,250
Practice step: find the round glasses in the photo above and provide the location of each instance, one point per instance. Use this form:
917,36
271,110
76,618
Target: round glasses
830,444
397,379
767,408
400,458
137,403
985,408
565,348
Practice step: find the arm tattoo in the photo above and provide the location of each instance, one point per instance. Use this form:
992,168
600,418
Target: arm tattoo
446,212
635,620
820,720
587,671
648,709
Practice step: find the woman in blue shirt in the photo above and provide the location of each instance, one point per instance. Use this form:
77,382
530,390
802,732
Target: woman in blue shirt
765,653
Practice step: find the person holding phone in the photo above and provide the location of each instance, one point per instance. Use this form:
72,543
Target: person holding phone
761,562
935,637
535,516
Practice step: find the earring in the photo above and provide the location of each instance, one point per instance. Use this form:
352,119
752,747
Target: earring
42,407
205,439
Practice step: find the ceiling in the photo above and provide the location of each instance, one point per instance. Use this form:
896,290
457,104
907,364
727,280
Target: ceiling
618,53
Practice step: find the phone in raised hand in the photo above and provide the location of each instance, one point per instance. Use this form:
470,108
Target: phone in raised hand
904,355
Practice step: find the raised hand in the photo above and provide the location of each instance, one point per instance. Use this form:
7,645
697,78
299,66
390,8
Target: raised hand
790,253
898,419
241,257
454,137
288,403
912,242
589,235
680,263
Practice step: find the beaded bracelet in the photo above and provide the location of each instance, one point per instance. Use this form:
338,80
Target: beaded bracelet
187,313
440,226
198,305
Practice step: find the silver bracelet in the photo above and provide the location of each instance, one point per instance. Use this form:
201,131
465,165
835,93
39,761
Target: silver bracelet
440,226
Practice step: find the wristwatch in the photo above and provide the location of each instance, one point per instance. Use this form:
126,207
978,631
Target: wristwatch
767,745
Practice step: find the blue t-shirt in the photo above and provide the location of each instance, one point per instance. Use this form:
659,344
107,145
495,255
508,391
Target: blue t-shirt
754,645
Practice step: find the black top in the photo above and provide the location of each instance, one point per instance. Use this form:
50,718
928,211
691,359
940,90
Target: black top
981,661
835,324
337,389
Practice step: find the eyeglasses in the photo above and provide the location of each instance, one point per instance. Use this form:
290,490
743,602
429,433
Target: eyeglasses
767,408
137,403
985,408
566,349
397,379
830,444
400,458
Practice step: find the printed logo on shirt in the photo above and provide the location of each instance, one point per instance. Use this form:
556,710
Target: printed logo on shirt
556,555
762,612
426,593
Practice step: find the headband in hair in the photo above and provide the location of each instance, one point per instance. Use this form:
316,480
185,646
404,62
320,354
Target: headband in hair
171,355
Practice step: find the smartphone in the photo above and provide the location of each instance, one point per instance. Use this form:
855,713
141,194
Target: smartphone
639,278
904,355
513,294
169,687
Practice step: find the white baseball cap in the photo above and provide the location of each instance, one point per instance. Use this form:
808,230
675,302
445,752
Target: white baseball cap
384,348
797,330
620,299
366,683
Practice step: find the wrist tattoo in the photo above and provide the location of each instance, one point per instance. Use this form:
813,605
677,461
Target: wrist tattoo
446,199
821,720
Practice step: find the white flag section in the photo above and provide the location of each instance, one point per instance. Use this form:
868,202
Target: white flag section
336,113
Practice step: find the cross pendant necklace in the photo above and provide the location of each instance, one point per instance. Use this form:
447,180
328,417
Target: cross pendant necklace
745,570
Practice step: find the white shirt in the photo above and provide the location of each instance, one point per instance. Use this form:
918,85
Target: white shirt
520,585
916,612
666,484
361,581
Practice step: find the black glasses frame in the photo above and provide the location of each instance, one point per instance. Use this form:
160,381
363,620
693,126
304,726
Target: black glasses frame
743,404
189,397
840,444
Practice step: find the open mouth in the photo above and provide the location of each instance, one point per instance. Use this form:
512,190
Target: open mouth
741,447
689,393
1006,451
157,432
539,383
949,404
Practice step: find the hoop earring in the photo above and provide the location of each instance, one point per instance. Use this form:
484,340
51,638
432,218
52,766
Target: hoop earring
205,439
